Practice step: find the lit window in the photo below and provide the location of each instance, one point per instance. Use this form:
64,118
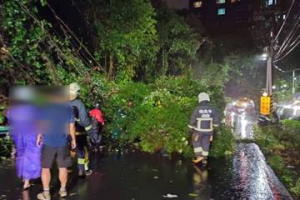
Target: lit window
198,4
270,2
220,1
221,11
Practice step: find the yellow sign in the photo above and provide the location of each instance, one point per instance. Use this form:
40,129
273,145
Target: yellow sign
265,105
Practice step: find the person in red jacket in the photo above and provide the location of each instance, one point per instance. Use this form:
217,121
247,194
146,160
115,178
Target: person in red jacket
97,124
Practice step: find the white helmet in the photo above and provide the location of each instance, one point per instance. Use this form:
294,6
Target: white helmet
203,97
74,90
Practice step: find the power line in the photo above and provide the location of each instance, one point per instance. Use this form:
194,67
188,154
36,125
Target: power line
48,35
288,52
75,37
288,39
283,24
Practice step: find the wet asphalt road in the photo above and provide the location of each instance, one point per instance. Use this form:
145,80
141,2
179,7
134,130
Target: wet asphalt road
134,176
138,176
253,178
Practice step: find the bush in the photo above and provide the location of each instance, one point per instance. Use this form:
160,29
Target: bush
6,146
276,163
296,188
280,143
223,144
291,133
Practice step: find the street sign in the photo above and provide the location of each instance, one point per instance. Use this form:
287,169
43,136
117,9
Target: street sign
265,105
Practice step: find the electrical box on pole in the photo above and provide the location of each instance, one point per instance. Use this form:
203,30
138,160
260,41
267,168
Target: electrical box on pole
265,105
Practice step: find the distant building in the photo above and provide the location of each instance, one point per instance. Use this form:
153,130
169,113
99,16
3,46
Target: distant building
230,14
224,14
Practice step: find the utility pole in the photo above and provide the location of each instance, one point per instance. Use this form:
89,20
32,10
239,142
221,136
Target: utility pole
269,75
294,80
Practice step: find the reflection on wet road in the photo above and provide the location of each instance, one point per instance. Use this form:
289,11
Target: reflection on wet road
138,176
253,178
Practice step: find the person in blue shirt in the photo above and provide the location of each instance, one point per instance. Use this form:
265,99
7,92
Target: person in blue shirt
57,129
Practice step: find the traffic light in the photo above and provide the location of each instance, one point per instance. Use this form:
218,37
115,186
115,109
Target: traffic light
265,105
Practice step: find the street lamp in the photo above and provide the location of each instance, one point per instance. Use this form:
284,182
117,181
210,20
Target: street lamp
264,56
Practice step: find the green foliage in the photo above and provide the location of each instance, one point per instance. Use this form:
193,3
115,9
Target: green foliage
126,35
157,127
36,54
291,126
24,36
296,188
283,91
267,141
131,40
236,68
276,162
6,146
178,42
280,143
223,144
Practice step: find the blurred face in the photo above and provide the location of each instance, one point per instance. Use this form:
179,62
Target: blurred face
56,94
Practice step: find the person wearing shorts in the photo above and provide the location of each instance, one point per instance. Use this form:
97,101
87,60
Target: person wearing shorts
58,128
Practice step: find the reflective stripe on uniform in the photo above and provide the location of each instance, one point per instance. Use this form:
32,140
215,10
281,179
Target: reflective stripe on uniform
198,149
86,154
191,127
81,161
87,128
86,166
80,133
200,120
204,153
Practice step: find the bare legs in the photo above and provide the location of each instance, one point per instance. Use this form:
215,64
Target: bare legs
46,178
63,177
26,184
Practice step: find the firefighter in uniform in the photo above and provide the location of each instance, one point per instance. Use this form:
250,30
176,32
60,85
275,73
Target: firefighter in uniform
202,121
82,127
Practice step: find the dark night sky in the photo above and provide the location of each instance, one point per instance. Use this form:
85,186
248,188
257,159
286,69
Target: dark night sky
178,4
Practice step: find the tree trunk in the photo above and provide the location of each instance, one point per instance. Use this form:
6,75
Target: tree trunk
51,69
111,67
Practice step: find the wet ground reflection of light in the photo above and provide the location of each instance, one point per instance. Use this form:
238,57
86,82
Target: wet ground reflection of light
253,177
